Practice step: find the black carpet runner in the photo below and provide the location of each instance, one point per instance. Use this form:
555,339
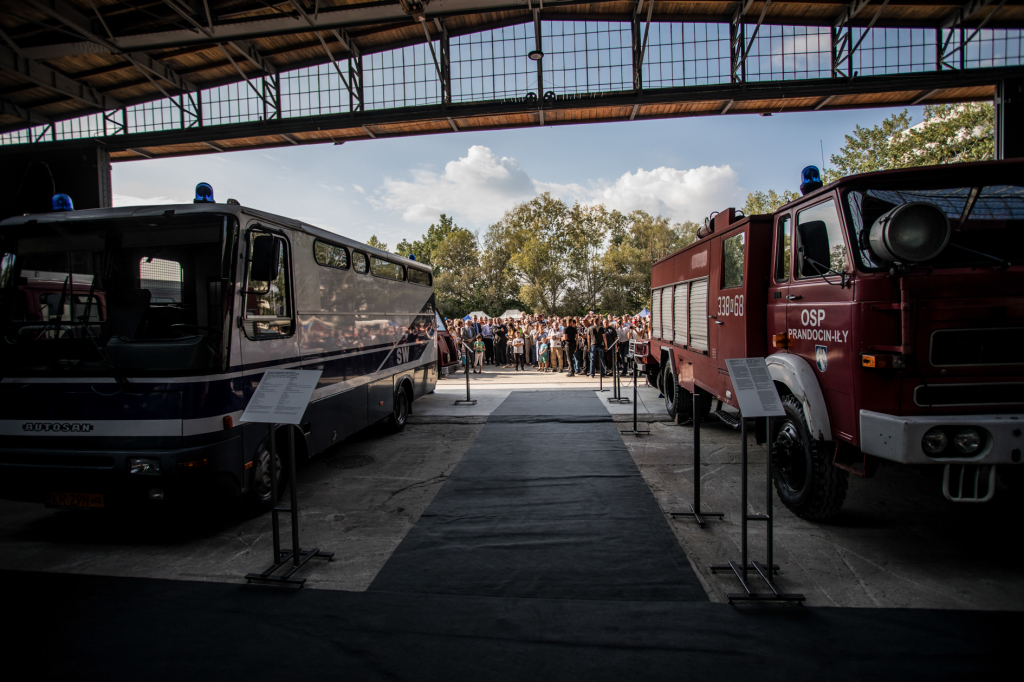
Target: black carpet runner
546,503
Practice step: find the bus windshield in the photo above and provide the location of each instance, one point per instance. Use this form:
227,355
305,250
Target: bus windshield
118,298
987,223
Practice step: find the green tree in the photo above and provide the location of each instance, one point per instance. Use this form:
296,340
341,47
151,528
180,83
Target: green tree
763,203
638,240
950,133
376,243
424,247
585,235
531,238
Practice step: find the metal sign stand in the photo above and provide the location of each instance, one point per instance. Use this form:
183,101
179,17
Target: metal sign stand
763,570
635,432
616,396
695,511
469,357
297,556
282,398
757,397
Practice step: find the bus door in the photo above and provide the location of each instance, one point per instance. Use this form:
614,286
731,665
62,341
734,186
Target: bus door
267,317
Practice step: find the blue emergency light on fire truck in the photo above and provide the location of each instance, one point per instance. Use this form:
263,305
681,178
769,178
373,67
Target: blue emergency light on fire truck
134,337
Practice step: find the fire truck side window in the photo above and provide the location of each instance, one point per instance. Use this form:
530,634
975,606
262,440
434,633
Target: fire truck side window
732,261
820,245
783,241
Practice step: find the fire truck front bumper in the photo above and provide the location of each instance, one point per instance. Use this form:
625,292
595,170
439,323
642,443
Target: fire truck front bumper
946,439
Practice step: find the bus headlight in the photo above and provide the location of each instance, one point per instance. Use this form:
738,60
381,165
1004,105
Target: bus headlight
967,441
141,466
910,233
935,441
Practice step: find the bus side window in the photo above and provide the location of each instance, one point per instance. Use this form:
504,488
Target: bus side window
783,241
359,263
268,310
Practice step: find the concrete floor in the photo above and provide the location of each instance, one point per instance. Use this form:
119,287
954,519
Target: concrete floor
897,542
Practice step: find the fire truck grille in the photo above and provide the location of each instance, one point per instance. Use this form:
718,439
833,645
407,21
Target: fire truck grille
973,347
950,395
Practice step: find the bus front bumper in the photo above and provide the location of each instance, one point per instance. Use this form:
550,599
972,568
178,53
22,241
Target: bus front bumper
104,478
899,439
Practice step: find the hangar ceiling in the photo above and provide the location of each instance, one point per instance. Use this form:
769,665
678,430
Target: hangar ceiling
151,78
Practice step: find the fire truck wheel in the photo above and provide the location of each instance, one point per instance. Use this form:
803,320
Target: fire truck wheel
807,482
669,389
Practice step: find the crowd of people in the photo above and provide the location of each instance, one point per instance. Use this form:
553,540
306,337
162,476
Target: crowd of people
576,345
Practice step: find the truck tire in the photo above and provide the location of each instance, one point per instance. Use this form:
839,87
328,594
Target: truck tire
677,399
807,482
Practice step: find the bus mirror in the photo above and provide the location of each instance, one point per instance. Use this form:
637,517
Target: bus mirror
266,258
814,251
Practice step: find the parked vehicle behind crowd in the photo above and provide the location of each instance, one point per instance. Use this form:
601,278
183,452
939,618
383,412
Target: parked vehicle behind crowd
134,337
890,307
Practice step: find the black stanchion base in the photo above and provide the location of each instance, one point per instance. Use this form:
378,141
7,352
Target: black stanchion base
749,595
621,401
699,515
465,402
634,432
267,577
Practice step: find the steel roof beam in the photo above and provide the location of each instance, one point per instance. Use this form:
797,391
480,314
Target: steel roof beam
374,124
53,80
24,113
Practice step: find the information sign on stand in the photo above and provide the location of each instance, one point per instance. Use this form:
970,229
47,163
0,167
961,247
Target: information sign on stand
755,392
281,398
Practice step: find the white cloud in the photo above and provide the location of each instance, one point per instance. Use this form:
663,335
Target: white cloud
126,200
359,189
676,194
478,187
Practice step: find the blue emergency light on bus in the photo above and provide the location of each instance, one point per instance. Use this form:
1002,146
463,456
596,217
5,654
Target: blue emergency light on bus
62,202
204,194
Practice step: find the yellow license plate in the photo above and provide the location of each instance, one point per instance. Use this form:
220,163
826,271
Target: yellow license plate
75,500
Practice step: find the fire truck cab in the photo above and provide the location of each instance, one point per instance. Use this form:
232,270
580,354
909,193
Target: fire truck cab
890,308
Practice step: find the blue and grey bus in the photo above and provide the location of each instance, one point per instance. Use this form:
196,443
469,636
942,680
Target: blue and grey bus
134,337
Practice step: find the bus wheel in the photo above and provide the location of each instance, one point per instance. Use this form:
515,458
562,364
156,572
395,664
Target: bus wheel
807,482
257,499
396,422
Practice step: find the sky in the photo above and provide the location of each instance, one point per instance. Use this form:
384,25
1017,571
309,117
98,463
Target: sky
395,188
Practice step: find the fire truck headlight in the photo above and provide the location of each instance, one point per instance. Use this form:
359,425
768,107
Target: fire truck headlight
911,233
935,441
967,441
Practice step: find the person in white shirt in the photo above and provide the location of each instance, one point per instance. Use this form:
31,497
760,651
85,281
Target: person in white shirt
518,351
555,345
485,329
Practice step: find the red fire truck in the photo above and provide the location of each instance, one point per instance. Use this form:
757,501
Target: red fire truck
890,308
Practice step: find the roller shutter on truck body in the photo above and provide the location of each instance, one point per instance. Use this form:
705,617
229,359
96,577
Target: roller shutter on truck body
699,315
666,313
656,314
681,304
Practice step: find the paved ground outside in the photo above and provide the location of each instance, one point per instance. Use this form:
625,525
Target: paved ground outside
897,543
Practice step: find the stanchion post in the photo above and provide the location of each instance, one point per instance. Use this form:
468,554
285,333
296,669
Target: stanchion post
768,498
468,400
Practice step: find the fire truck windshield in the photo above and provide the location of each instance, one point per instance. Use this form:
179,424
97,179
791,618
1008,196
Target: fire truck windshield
987,223
121,298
